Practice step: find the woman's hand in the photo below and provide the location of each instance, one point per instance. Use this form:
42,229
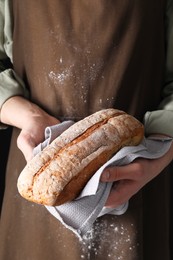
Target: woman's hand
131,178
28,117
33,133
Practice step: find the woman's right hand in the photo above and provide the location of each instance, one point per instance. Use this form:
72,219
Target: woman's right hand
33,133
31,119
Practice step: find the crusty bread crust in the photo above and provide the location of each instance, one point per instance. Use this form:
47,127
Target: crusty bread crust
58,173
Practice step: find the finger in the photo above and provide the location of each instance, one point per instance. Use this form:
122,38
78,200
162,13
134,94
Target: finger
120,193
116,173
26,145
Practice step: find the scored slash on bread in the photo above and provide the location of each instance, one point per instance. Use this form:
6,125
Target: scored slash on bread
58,173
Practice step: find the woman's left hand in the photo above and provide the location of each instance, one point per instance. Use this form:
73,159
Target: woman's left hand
129,179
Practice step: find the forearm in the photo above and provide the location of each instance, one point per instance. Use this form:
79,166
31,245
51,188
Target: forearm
16,111
21,113
30,118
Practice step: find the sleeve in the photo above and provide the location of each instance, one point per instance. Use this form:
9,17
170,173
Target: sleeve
161,120
10,83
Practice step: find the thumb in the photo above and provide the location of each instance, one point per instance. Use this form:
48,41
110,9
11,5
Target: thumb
26,144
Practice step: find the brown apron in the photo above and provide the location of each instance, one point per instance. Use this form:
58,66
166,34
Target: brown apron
77,57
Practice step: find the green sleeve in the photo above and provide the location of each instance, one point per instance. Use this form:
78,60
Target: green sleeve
161,121
10,83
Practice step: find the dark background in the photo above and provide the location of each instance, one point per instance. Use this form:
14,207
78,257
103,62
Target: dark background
171,239
5,136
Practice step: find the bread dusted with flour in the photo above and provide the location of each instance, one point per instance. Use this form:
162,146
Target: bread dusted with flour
58,173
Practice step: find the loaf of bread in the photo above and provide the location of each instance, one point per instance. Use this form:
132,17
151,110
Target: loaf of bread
58,173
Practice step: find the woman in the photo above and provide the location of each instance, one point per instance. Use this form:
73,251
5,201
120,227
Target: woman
68,59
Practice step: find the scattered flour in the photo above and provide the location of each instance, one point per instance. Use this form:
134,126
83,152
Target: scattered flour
60,77
109,241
